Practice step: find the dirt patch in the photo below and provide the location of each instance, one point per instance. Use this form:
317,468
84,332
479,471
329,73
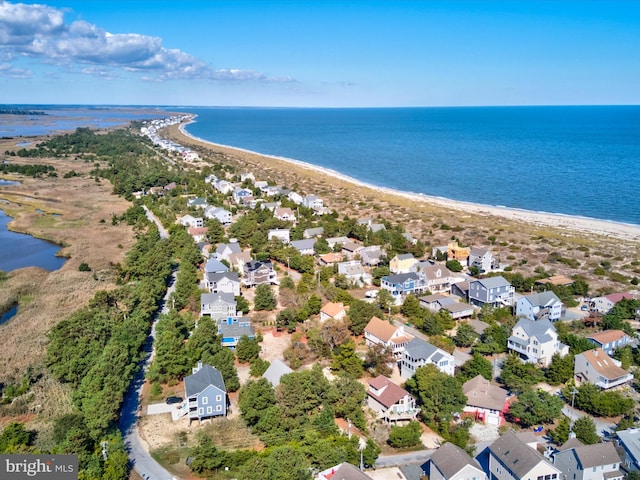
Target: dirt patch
274,344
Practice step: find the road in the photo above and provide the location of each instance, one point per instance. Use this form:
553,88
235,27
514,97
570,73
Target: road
396,460
602,428
142,462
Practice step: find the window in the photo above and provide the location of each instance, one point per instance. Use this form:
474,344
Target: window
205,400
218,398
554,476
547,477
594,468
200,411
218,408
209,410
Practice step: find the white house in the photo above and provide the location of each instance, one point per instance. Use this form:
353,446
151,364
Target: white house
218,213
545,305
512,459
282,234
191,221
381,332
589,462
536,342
418,353
596,367
482,258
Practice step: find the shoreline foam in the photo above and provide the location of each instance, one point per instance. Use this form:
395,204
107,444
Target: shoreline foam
574,223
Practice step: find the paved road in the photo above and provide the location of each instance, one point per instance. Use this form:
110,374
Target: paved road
154,219
602,428
142,462
420,456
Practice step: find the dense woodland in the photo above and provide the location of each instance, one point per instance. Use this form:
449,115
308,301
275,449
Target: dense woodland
97,349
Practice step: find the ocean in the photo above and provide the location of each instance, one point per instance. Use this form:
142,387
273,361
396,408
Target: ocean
576,160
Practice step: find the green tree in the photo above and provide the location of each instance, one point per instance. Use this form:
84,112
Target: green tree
242,304
465,335
346,361
205,457
560,369
379,359
215,231
254,400
15,439
534,407
454,265
370,453
247,349
360,312
406,436
439,395
560,434
585,430
476,365
264,298
517,375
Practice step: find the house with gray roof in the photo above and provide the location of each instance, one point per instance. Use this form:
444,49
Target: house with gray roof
313,232
205,393
403,284
333,241
218,213
276,371
536,342
225,282
342,471
493,291
450,462
214,265
354,272
218,305
589,462
438,277
483,259
232,329
371,255
629,440
485,401
224,250
304,246
418,353
512,459
538,306
256,273
197,202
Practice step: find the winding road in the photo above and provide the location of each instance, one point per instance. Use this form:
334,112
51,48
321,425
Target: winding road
143,463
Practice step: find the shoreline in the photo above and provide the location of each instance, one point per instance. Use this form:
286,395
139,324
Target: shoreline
595,226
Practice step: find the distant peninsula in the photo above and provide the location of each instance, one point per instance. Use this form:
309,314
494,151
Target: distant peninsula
20,111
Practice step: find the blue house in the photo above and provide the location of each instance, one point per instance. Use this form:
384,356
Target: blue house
205,393
404,283
233,328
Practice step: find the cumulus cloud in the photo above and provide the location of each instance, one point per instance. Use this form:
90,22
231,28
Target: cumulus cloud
39,31
8,70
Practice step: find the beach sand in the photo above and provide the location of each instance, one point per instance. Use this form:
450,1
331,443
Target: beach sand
281,168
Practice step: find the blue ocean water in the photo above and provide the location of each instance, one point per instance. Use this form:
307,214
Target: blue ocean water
576,160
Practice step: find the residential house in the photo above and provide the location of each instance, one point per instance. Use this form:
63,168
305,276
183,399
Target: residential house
377,227
482,258
215,266
354,272
456,252
218,213
512,459
329,259
605,303
485,401
240,193
381,332
536,342
198,234
210,179
247,176
205,393
334,311
257,273
342,471
313,202
223,186
237,261
589,462
371,255
232,329
437,302
450,462
261,184
390,402
197,202
410,238
295,198
403,284
351,249
313,232
276,371
418,353
271,206
333,241
537,306
224,250
285,214
223,282
305,246
282,234
217,305
609,340
438,277
191,221
629,441
402,263
598,368
493,291
460,289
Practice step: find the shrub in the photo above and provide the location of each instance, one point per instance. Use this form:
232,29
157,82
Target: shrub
83,267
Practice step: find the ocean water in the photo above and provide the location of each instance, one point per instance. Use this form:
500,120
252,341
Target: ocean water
582,161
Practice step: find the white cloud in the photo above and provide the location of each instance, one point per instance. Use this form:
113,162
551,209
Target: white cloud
8,70
39,31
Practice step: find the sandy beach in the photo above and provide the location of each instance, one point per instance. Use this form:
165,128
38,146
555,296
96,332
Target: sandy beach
570,223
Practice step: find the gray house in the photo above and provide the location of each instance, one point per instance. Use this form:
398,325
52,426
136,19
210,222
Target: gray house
218,305
629,440
419,353
589,462
538,306
494,291
227,282
205,393
450,462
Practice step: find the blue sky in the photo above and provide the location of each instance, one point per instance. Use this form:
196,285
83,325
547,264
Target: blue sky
320,53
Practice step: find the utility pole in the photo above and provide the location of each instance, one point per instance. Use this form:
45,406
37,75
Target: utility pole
573,397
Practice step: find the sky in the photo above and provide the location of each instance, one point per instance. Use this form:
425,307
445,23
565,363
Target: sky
319,53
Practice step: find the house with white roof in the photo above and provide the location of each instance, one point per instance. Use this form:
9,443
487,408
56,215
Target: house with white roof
494,291
598,368
381,332
282,234
418,353
538,306
191,221
450,462
218,213
536,341
371,255
313,202
224,250
354,272
285,214
295,197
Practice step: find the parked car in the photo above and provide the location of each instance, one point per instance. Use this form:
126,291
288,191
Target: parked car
172,400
